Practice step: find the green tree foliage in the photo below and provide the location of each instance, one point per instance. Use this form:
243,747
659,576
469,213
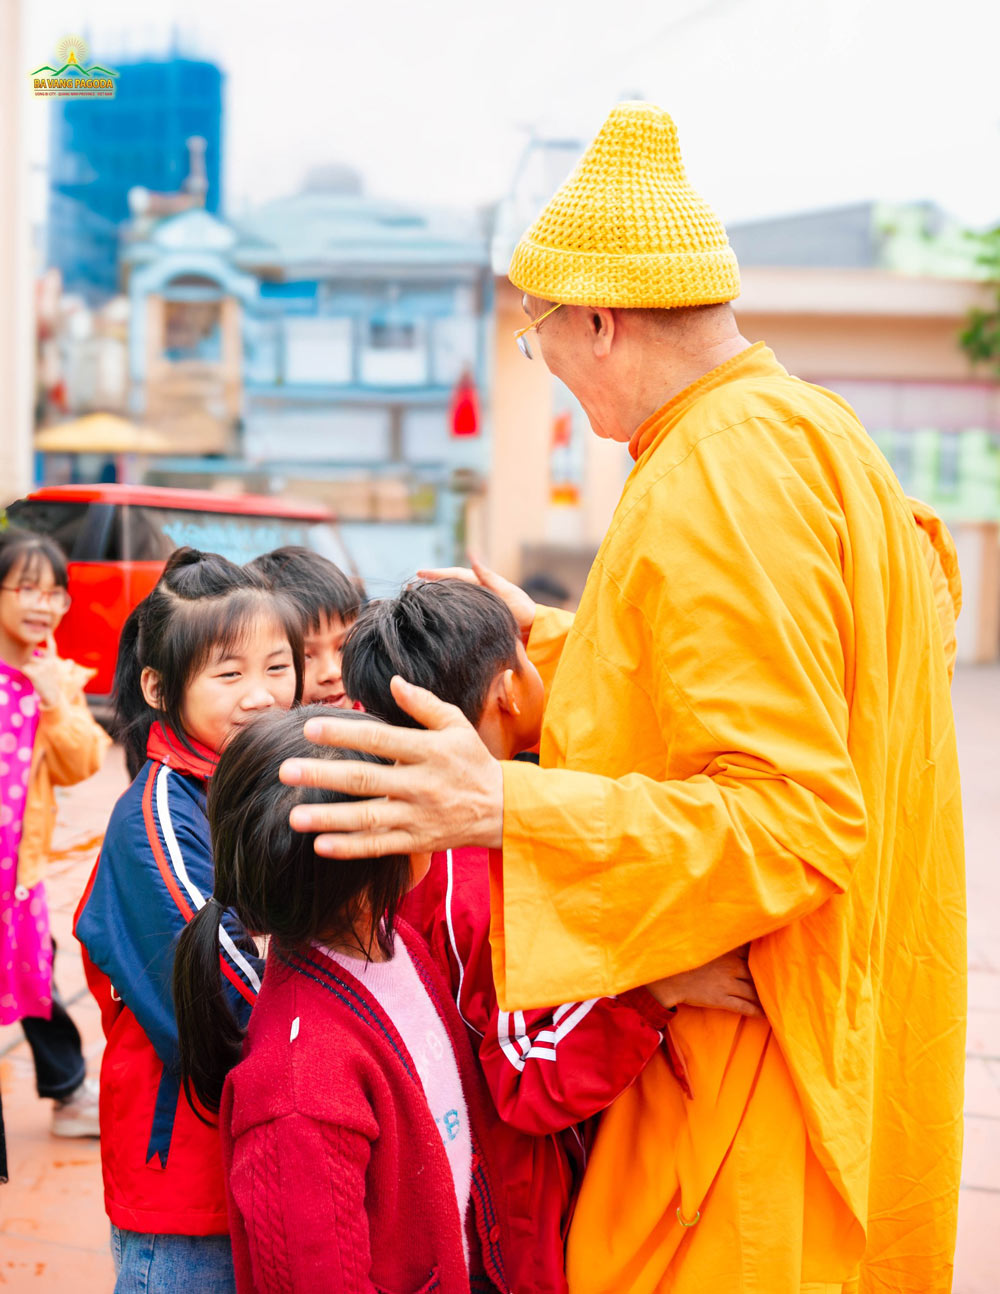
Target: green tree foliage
980,338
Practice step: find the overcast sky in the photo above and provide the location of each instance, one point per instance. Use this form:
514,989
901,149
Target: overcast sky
782,105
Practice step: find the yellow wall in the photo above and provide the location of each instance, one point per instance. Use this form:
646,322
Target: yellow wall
518,485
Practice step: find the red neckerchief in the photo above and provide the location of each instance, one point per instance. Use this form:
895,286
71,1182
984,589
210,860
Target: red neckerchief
166,748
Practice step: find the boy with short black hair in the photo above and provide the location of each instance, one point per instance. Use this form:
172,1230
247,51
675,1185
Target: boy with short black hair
329,602
548,1070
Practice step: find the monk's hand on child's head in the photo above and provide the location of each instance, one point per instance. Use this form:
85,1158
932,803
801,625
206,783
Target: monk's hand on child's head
725,984
520,605
443,788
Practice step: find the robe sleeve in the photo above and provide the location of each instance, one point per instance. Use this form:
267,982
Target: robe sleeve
938,551
739,613
547,639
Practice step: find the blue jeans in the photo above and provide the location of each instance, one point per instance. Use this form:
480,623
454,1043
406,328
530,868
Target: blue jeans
155,1264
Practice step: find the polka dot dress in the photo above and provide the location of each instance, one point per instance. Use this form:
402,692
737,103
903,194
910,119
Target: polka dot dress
25,945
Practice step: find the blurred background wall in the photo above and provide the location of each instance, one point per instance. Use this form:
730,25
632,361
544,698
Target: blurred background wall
329,338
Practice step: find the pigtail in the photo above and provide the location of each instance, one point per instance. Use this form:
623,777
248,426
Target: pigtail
190,573
133,717
210,1035
200,600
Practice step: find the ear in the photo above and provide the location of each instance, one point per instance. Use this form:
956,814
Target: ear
507,695
602,329
152,691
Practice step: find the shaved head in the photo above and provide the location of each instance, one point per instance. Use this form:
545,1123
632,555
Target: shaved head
683,321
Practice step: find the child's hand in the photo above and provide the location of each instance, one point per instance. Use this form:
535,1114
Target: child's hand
43,671
725,984
521,606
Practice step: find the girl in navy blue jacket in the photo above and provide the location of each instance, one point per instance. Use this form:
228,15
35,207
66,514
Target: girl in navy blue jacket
206,651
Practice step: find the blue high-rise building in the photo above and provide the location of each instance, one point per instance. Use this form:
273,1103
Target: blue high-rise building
103,148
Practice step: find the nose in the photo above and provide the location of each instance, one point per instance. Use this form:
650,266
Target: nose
258,697
329,668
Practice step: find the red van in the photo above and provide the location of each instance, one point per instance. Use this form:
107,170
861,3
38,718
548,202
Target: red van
117,537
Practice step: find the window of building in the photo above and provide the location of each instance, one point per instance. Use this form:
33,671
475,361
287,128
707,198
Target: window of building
948,462
383,335
901,460
318,350
394,352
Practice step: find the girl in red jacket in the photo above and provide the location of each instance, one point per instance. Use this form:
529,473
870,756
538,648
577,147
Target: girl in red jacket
353,1125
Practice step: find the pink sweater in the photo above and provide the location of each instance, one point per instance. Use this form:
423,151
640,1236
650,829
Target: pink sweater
397,987
337,1175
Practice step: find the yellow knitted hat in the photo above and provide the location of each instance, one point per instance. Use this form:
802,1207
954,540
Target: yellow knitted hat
627,229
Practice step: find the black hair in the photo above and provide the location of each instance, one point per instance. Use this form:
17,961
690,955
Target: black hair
274,881
445,635
317,586
201,602
37,551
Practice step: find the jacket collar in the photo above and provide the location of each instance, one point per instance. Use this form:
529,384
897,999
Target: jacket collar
756,361
166,748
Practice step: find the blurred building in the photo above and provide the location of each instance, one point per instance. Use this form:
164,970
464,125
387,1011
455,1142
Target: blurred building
868,301
553,484
99,153
315,346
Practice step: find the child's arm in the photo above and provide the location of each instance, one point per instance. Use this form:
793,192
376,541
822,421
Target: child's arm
73,742
154,872
546,1069
549,1069
298,1187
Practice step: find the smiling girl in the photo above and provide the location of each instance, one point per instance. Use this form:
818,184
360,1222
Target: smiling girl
47,739
208,650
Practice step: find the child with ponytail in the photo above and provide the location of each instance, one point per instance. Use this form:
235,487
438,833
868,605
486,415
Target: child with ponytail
206,651
353,1127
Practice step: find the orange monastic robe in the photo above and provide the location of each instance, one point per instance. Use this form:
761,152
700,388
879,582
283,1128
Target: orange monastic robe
749,736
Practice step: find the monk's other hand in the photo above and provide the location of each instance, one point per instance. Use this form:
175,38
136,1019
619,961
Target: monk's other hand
725,983
442,789
522,608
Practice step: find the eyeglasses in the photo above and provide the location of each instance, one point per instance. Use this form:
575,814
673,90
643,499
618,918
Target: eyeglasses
521,335
30,595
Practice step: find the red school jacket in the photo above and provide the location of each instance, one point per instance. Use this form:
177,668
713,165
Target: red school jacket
162,1165
547,1070
336,1174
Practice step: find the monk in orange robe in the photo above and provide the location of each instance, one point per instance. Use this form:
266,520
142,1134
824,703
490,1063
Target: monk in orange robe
748,737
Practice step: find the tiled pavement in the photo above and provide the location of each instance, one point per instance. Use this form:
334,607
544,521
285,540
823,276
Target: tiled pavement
53,1231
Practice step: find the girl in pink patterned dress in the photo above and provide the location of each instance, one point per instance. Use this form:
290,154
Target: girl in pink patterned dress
47,739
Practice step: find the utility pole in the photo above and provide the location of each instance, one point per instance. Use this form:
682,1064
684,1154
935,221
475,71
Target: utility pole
17,302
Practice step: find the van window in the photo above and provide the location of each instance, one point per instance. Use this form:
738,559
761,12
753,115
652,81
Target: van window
63,522
152,534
